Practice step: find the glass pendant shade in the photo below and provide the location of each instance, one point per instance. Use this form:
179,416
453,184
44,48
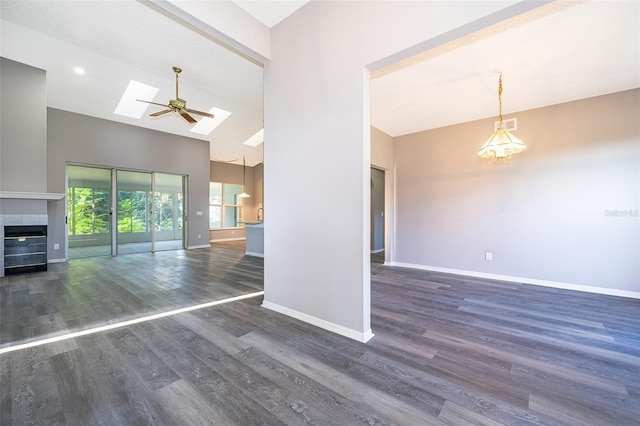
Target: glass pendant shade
501,144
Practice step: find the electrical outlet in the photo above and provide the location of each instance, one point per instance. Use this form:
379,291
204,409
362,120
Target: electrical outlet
199,236
56,246
488,256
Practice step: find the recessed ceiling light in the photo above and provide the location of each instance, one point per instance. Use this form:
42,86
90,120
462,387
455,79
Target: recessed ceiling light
129,106
206,125
79,71
256,139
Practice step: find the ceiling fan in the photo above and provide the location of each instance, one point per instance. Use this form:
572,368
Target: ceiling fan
177,105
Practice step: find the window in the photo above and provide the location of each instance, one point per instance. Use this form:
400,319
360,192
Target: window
225,205
168,210
134,211
88,211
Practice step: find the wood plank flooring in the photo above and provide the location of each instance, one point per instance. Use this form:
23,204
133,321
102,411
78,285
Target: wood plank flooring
448,350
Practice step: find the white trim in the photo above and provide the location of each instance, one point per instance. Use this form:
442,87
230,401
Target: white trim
251,253
228,239
362,337
61,260
199,247
377,251
31,195
522,280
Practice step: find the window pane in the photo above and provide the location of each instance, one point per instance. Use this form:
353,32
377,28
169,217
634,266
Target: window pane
232,216
133,211
82,212
164,211
231,192
215,217
215,193
102,204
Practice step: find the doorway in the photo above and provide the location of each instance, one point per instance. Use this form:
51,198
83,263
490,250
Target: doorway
377,210
114,211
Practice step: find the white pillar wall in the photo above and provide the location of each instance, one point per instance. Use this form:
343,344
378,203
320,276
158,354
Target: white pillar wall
317,150
317,143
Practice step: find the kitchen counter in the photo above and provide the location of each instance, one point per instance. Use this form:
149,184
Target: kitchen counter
255,238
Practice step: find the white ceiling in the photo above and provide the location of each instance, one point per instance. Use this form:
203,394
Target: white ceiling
585,50
576,51
270,12
119,41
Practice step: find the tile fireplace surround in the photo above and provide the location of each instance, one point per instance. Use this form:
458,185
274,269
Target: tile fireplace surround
23,208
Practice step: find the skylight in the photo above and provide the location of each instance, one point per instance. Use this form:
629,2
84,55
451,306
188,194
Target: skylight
129,106
256,139
206,125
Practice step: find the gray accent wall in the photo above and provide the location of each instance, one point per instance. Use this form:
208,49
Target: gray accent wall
23,128
80,139
23,145
565,210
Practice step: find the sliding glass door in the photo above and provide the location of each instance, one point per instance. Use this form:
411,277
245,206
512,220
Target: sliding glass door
145,209
168,205
88,211
134,211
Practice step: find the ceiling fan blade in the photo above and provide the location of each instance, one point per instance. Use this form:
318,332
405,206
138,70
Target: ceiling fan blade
154,103
187,117
155,114
204,114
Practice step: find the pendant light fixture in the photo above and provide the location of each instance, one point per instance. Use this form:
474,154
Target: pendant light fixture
501,144
244,180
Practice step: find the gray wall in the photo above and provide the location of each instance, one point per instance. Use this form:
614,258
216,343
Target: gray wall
23,144
317,146
547,214
82,139
377,210
382,158
23,128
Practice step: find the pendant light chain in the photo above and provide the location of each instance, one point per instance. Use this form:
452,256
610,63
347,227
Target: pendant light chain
501,144
500,97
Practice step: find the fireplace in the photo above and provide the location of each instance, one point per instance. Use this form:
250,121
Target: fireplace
25,248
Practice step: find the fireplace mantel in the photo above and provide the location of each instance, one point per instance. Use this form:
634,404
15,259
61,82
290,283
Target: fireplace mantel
31,195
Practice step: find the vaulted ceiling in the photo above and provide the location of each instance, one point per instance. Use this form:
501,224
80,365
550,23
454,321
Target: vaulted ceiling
572,51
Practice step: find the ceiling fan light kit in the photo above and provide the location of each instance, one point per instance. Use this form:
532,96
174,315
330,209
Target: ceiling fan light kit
177,105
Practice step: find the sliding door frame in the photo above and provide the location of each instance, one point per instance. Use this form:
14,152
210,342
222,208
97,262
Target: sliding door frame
113,212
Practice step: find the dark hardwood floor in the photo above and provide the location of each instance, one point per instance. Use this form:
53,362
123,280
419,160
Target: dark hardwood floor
448,350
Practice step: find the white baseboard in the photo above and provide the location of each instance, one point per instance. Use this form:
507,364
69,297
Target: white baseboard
523,280
199,247
61,260
377,251
362,337
219,240
251,253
